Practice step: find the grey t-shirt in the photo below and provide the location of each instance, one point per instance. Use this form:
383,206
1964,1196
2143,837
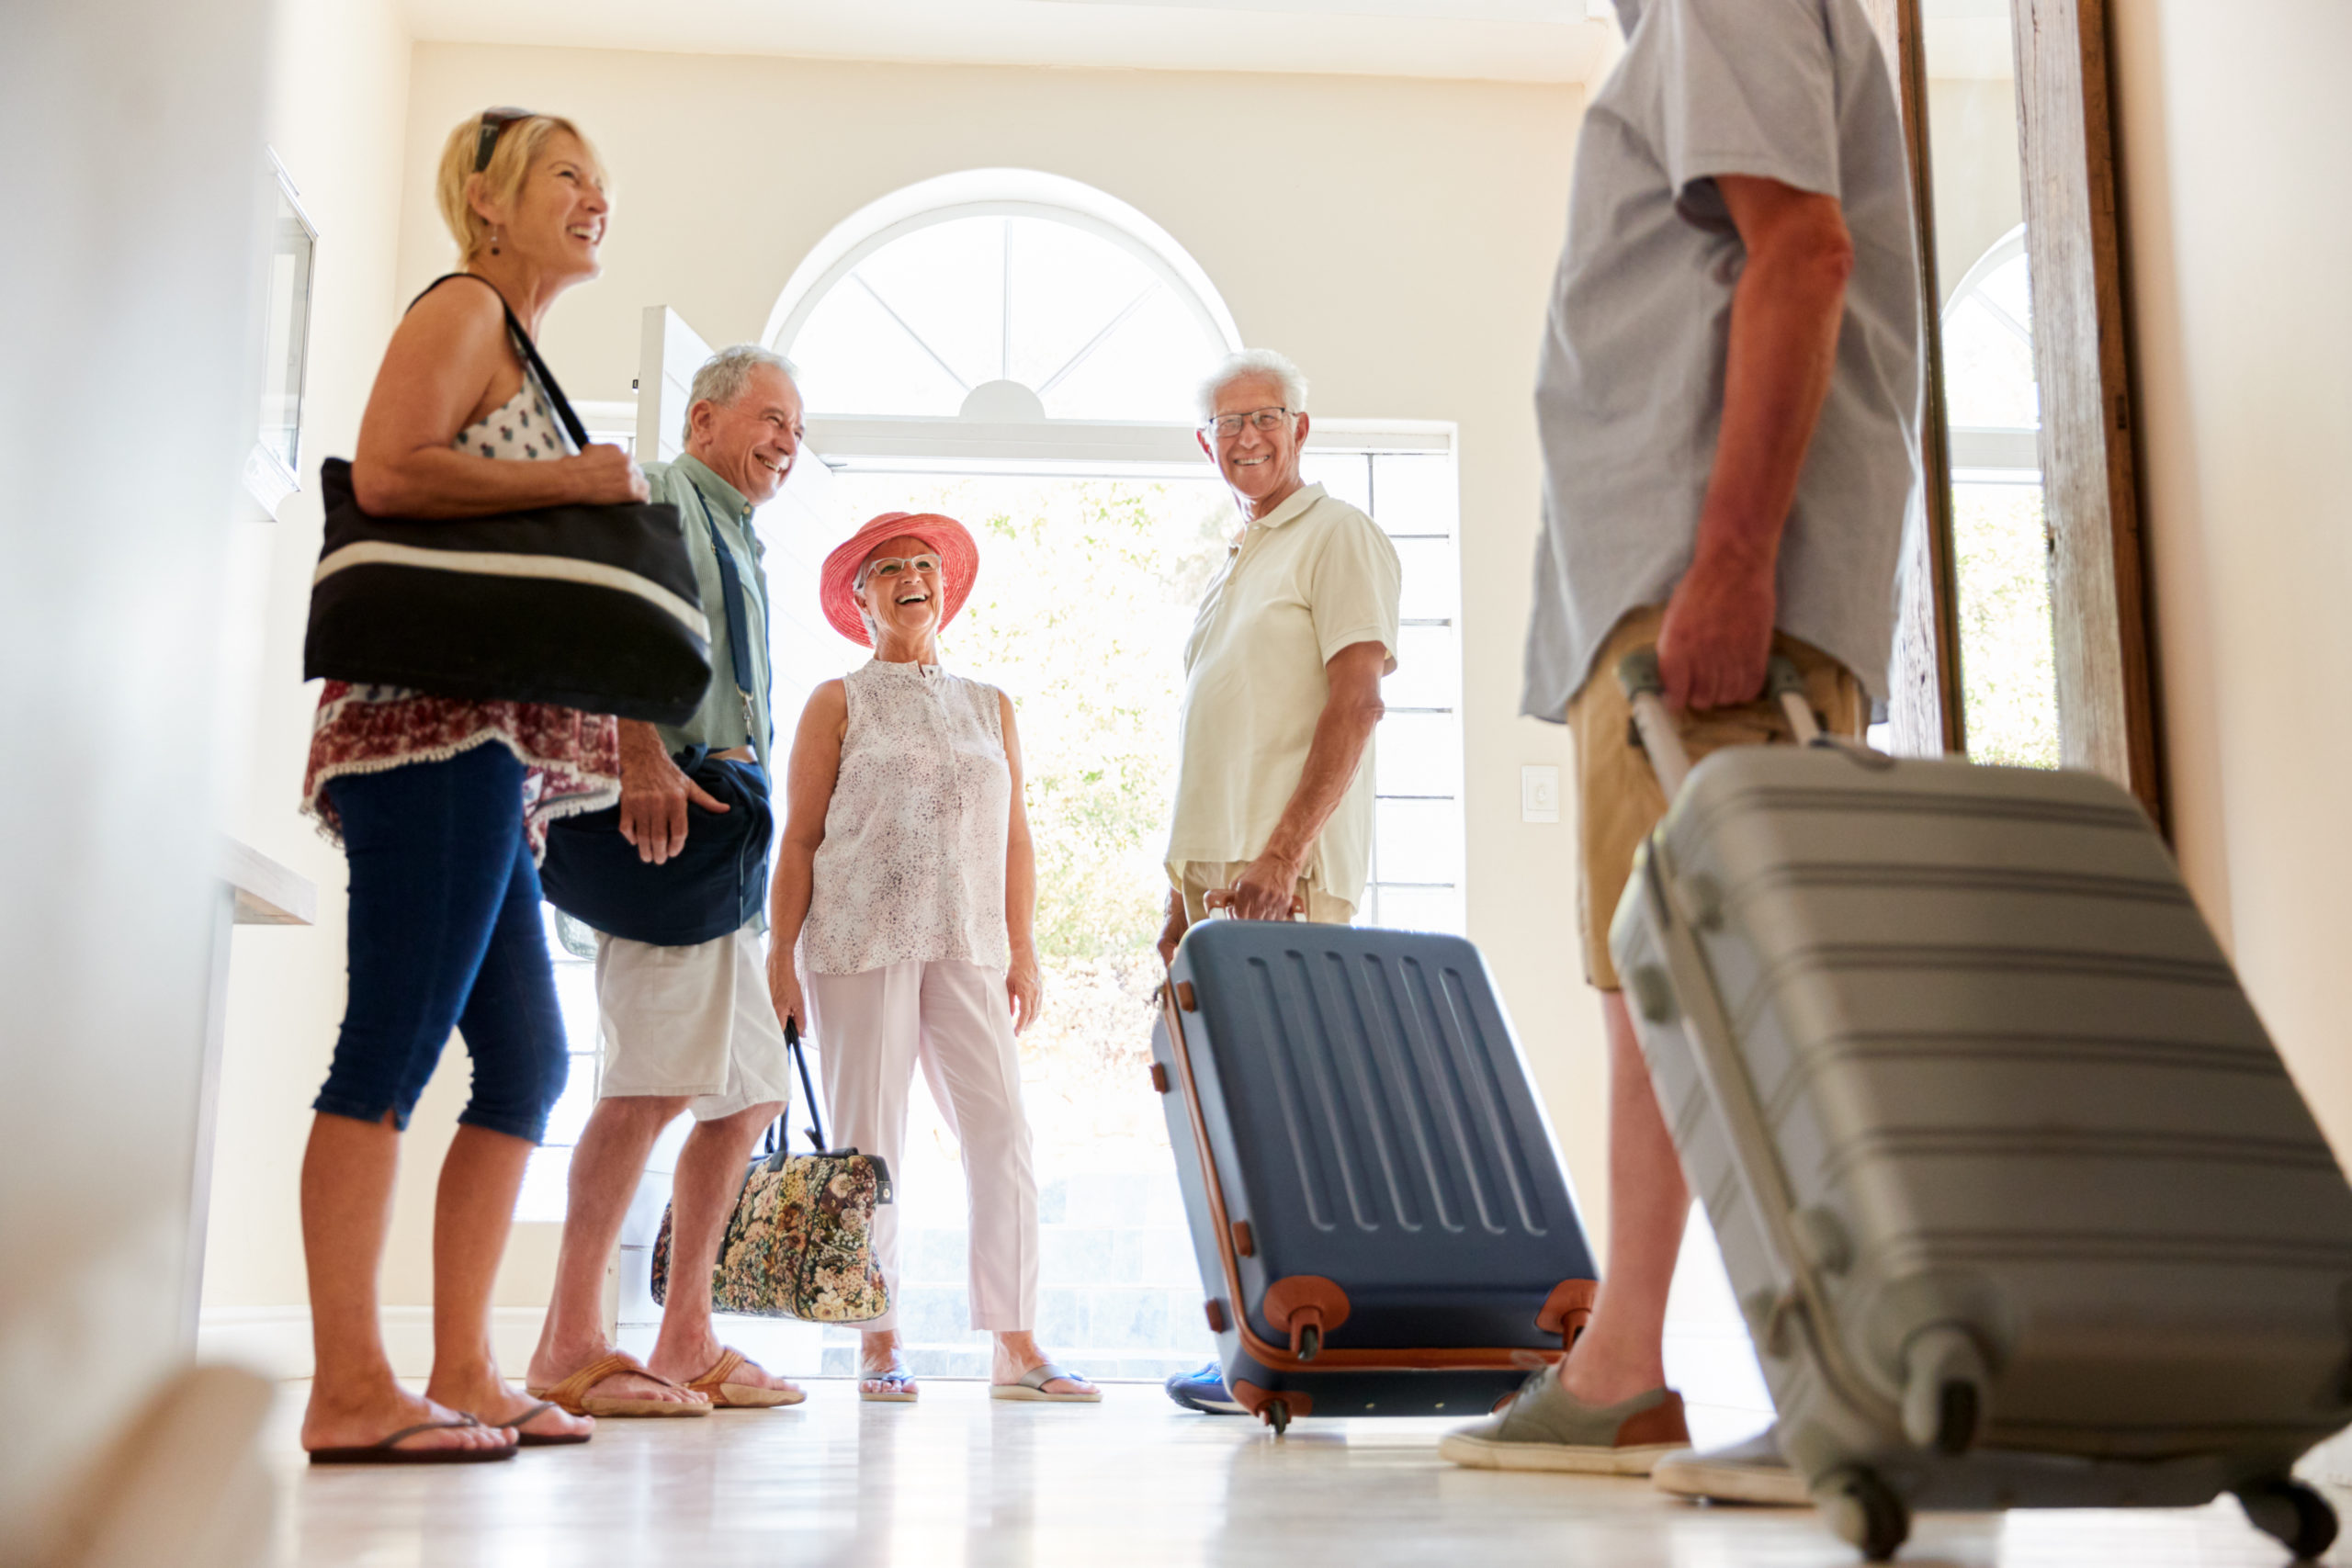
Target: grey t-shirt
1630,395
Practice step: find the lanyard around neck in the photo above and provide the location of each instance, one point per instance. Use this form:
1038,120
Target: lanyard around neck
730,587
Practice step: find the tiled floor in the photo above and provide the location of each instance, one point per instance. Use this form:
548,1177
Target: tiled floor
960,1480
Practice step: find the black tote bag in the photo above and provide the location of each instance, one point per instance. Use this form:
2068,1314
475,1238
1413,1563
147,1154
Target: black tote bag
589,607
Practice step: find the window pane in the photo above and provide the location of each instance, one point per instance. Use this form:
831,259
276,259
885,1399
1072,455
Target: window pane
1418,753
1419,908
1066,286
579,1098
1417,840
855,359
1414,493
1988,372
1347,475
2008,643
546,1174
1149,368
575,993
946,282
1428,670
1432,578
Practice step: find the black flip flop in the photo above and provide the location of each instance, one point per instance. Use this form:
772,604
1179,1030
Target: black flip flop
384,1451
543,1439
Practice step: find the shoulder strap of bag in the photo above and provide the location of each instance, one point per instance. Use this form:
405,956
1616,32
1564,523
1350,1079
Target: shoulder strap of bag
730,585
536,366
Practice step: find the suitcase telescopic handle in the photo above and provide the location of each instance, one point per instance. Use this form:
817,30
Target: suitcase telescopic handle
1646,690
1218,901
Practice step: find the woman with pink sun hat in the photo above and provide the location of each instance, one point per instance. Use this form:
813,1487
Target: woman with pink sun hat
905,900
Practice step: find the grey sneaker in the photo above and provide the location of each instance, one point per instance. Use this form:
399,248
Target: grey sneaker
1752,1472
1543,1428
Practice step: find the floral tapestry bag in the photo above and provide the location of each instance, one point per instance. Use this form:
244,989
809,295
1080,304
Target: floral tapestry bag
800,1242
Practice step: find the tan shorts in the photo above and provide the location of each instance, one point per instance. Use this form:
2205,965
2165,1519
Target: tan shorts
695,1021
1198,878
1617,798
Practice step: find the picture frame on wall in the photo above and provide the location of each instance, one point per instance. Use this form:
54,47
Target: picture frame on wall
273,468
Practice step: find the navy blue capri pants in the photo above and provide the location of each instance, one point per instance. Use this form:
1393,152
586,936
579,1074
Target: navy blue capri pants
446,932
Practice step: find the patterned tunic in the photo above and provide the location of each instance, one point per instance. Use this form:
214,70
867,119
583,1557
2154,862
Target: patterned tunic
571,759
913,865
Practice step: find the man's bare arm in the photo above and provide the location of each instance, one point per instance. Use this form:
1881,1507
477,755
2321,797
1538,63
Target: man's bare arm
1785,315
1350,713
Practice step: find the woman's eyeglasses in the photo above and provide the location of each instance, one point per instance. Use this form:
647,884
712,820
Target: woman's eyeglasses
890,567
493,124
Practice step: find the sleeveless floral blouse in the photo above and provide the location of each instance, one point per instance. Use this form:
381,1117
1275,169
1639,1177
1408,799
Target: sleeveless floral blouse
571,760
913,865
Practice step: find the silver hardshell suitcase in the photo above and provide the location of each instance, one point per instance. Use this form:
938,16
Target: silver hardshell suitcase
2021,1205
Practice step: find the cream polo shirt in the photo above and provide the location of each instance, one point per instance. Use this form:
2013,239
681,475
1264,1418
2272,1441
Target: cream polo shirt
1312,577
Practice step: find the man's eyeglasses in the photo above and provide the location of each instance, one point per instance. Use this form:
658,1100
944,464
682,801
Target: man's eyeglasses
493,124
1264,421
891,568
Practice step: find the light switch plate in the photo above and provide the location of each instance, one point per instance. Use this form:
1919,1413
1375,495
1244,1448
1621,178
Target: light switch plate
1538,793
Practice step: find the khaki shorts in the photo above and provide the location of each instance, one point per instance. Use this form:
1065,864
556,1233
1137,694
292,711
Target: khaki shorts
695,1021
1617,798
1199,878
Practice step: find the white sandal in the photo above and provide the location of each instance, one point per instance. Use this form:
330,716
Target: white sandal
898,1384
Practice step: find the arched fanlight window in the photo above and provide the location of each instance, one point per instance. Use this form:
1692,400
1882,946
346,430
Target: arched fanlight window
1988,342
1001,296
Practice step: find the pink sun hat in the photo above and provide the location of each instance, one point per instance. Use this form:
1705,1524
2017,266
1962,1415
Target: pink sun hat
960,563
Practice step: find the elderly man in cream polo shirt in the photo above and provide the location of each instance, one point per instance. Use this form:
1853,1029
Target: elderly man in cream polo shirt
1282,691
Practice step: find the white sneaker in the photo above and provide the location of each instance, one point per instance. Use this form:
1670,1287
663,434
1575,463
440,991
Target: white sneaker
1752,1472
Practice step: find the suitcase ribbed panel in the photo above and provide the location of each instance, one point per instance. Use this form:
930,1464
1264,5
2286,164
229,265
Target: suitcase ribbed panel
1370,1118
1993,1042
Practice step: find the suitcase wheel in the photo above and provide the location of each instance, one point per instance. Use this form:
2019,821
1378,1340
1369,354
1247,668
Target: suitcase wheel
1944,1395
1864,1511
1278,1417
2293,1514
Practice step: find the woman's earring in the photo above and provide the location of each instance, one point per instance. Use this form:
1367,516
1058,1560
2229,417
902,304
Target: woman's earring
493,242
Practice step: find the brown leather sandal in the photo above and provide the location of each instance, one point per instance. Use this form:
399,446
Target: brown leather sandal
571,1395
724,1395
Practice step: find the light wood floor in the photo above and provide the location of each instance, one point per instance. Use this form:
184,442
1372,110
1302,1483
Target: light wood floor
961,1480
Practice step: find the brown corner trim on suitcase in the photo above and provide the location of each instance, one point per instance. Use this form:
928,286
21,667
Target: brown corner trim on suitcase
1567,1309
1330,1358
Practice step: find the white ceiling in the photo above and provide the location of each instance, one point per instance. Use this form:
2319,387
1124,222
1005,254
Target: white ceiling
1512,40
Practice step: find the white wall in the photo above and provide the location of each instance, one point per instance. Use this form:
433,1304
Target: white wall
2233,141
1397,238
133,191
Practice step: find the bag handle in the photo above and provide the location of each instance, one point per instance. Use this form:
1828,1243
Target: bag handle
536,366
779,1135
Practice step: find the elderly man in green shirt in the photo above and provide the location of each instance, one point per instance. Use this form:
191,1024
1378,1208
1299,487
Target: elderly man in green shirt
684,1028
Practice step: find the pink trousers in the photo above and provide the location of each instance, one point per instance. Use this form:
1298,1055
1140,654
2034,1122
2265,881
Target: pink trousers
872,1029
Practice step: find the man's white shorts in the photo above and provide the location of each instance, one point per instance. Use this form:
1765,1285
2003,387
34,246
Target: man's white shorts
696,1022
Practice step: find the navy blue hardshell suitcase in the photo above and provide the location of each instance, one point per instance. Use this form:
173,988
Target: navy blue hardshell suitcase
1383,1224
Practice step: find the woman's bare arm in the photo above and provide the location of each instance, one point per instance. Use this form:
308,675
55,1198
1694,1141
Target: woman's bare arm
809,777
450,363
1023,984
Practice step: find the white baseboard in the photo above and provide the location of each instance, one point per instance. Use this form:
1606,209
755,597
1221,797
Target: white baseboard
275,1341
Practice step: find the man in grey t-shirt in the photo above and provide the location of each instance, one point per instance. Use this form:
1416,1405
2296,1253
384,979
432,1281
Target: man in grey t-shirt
1729,403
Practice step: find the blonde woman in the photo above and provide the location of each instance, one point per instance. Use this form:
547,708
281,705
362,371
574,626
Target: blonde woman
907,883
442,805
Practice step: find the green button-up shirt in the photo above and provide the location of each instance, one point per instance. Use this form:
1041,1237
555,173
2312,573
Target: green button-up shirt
720,723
